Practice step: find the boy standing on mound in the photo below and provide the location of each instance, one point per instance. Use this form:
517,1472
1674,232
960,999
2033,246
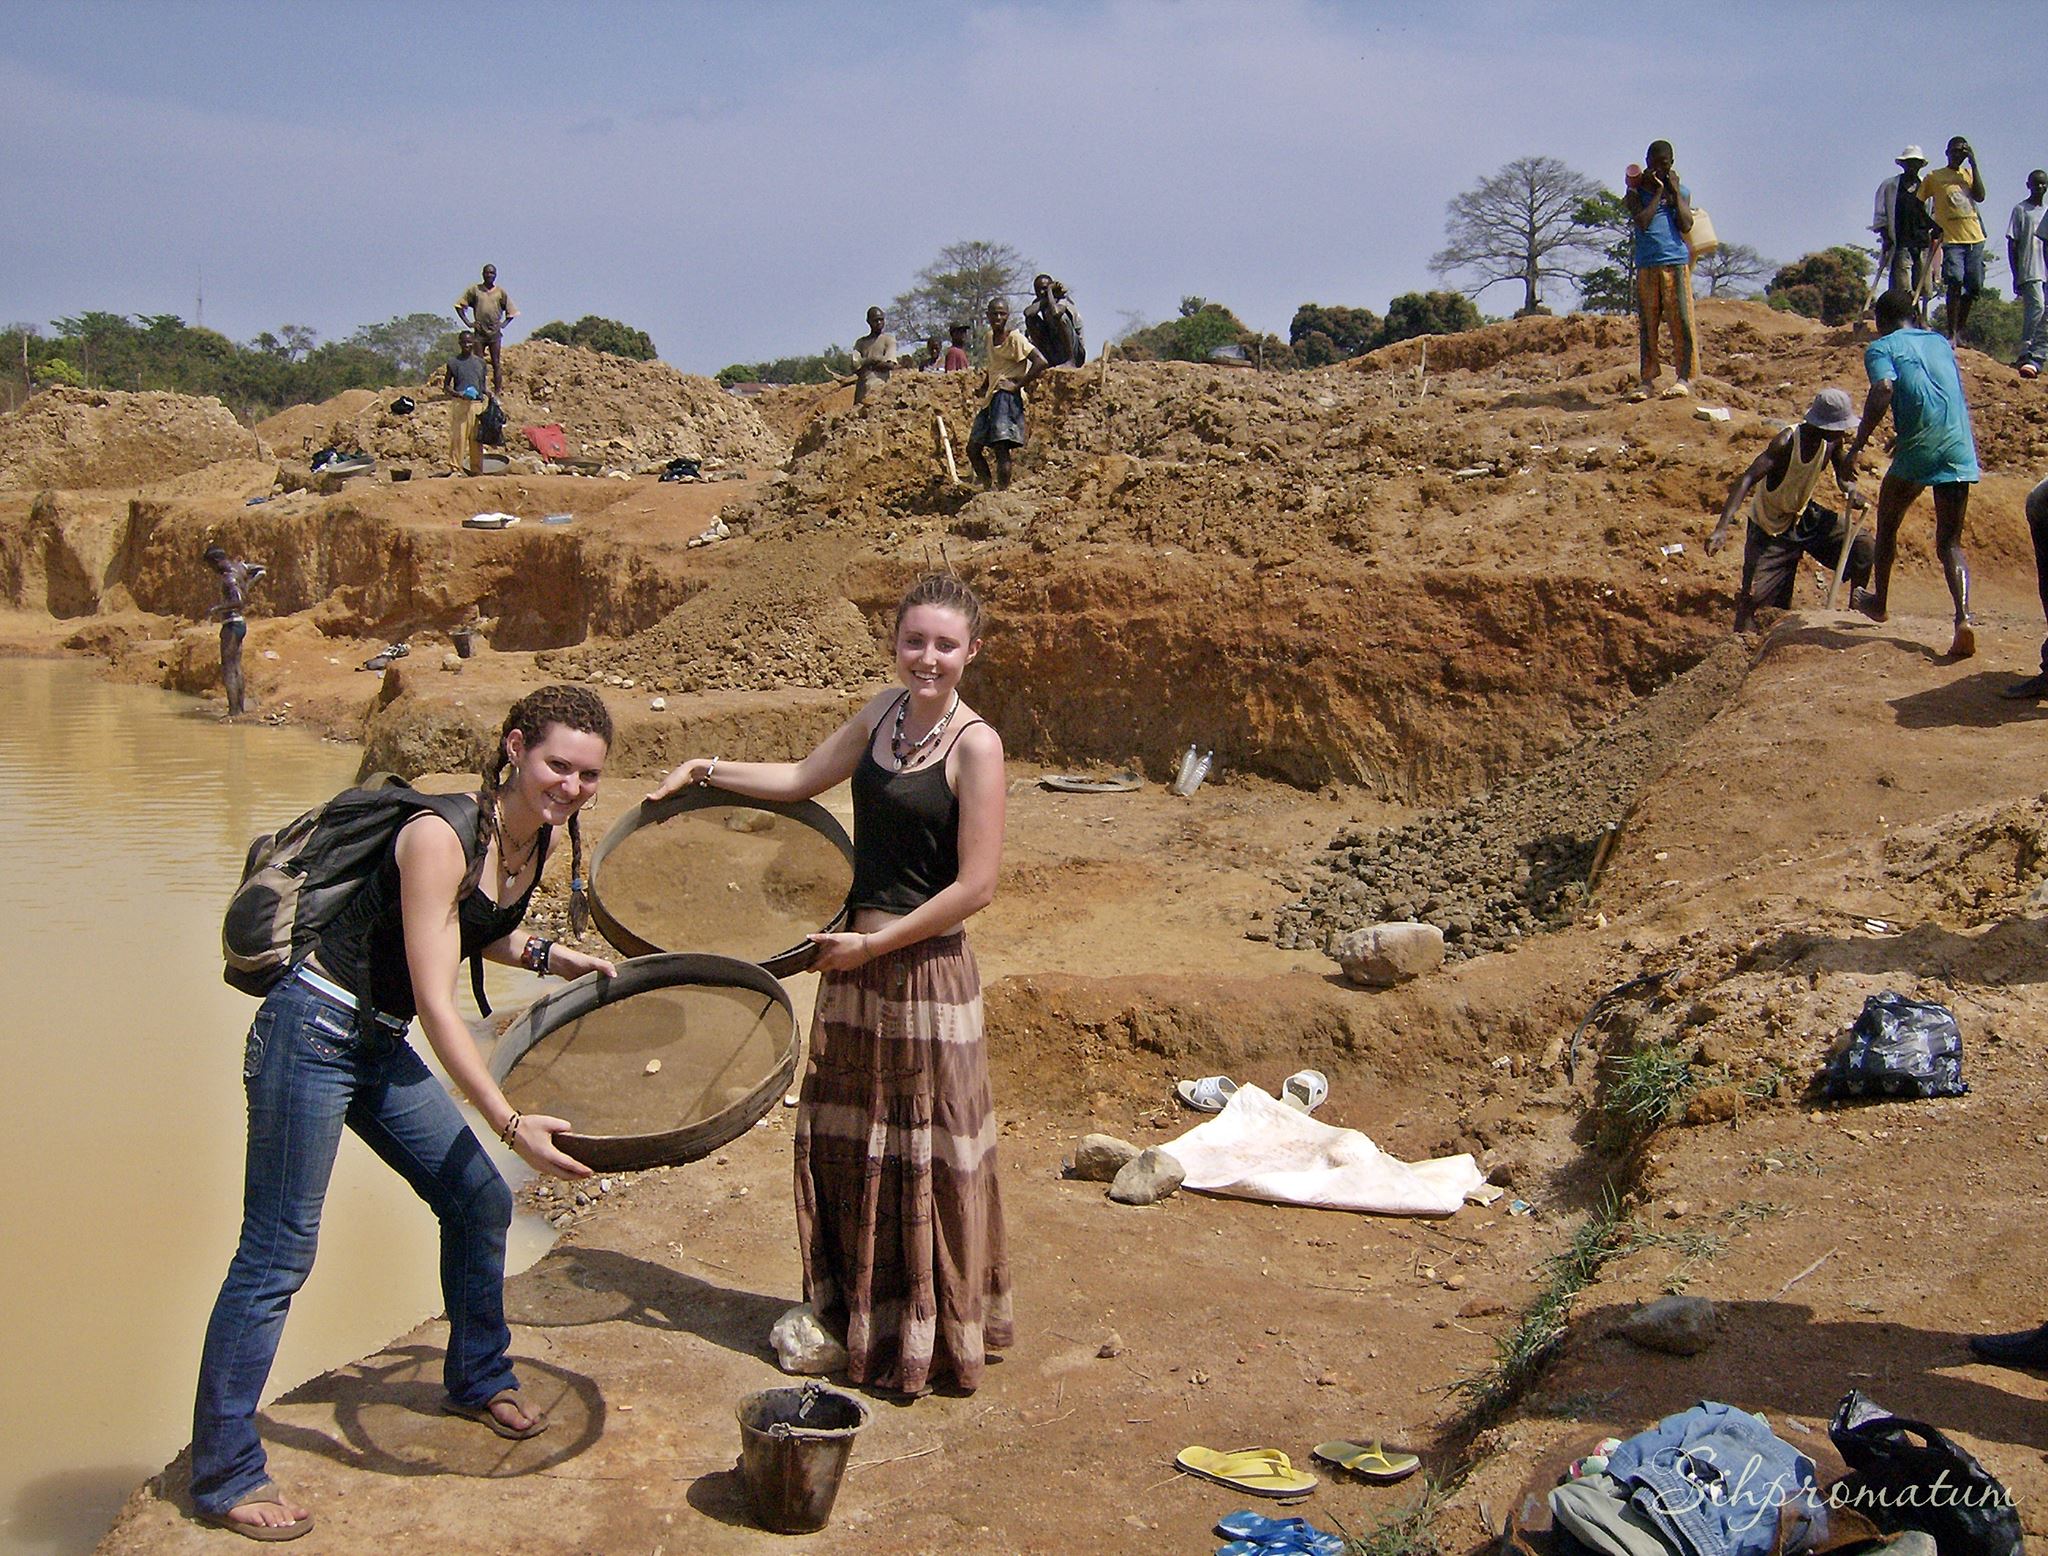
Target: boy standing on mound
1012,363
1913,375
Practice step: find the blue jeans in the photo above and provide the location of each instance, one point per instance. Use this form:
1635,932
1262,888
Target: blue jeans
311,1066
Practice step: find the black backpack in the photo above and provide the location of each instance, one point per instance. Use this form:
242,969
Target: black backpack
298,878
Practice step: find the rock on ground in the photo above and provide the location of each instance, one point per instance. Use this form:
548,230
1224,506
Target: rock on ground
1147,1178
1681,1326
1382,955
1099,1158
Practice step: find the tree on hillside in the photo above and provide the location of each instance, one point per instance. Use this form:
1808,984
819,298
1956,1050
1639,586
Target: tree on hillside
1321,335
1517,225
1427,313
818,367
1829,286
1732,270
415,343
593,333
1610,286
1200,329
957,287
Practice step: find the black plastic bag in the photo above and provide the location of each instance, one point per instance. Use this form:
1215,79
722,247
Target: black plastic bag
402,406
681,468
1930,1484
490,427
1898,1048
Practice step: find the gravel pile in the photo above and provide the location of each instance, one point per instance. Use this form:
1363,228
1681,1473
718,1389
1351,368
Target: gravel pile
1510,862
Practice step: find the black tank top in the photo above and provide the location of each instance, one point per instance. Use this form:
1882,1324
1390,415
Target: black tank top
364,949
906,832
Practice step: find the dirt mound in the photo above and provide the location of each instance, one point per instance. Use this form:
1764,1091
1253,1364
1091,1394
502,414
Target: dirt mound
780,620
1476,350
93,438
1502,865
629,414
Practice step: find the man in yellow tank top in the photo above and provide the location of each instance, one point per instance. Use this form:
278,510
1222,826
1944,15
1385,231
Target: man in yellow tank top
1785,523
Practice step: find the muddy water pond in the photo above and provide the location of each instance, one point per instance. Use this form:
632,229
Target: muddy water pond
130,813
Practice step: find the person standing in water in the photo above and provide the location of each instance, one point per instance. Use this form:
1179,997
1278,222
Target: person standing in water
899,1213
235,579
328,1049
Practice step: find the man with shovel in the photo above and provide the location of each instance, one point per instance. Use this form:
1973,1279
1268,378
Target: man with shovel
1785,523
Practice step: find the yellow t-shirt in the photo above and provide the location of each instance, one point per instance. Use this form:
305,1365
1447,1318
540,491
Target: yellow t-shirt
1008,359
1947,190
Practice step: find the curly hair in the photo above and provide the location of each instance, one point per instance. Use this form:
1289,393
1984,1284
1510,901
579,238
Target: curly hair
946,592
572,707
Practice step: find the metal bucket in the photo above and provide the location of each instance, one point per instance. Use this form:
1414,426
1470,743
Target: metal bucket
794,1445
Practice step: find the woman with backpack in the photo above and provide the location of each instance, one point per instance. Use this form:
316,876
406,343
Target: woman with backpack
899,1214
328,1048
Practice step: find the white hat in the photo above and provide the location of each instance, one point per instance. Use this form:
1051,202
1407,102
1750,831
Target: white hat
1911,154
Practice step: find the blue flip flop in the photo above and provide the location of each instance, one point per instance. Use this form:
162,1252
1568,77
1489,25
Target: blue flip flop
1251,1531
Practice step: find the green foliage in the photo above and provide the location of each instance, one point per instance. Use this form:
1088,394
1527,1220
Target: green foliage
1993,327
1200,329
1829,286
820,367
416,344
102,350
1645,1088
957,287
1427,313
593,333
1610,286
1321,335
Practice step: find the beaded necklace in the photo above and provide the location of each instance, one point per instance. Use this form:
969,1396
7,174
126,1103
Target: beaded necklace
906,753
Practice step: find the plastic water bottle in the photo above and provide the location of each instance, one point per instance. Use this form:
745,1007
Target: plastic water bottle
1184,779
1201,772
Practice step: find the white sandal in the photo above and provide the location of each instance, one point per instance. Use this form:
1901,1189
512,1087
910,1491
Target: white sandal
1208,1095
1305,1089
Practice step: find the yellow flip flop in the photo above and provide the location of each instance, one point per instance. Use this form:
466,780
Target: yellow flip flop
1372,1463
1257,1472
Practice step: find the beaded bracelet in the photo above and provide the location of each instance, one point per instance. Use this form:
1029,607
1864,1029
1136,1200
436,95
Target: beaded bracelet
534,955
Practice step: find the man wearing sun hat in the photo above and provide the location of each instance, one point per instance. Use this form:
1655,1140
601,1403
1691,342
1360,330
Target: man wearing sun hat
1905,230
1785,523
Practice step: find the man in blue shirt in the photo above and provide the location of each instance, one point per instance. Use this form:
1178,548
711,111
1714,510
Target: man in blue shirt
1913,375
1661,208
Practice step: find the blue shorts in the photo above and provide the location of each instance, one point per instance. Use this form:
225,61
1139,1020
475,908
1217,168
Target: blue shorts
1000,423
1962,267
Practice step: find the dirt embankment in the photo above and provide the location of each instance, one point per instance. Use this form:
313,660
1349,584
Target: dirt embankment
107,438
624,413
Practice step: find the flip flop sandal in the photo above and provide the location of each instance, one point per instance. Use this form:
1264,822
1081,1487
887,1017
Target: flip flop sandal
1074,783
1321,1545
483,1415
1305,1089
1255,1531
267,1532
1257,1472
1375,1463
1207,1095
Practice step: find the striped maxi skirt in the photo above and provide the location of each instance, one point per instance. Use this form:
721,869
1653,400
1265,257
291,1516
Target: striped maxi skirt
898,1211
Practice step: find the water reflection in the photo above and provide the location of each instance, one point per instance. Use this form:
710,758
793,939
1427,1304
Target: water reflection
130,814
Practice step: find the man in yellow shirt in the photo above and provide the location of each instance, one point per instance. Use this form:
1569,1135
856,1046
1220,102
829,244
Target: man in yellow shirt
1012,363
1953,194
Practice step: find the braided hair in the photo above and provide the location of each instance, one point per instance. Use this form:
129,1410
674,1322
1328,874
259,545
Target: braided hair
574,707
947,592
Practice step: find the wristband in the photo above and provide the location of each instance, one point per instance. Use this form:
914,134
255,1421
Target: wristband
510,1133
706,779
534,955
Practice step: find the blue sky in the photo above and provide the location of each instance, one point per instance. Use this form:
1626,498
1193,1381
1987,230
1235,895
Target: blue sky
742,180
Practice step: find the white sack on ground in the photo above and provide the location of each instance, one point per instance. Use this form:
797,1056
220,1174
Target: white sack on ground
1260,1148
